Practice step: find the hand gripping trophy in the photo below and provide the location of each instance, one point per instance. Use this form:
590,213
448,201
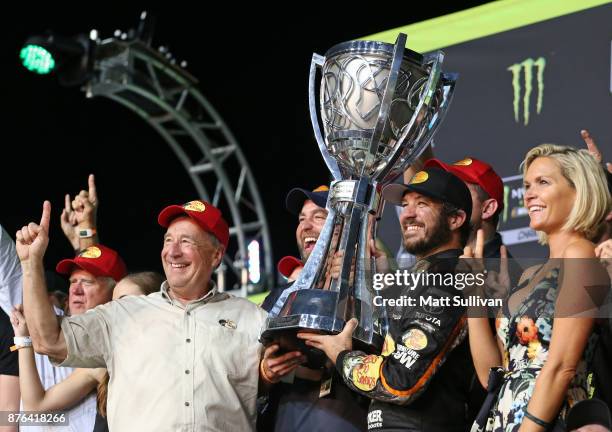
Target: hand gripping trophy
380,107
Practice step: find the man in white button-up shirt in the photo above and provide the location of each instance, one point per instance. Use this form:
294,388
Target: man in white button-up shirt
186,358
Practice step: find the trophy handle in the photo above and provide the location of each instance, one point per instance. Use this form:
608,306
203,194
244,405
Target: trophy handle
385,105
332,165
419,115
448,90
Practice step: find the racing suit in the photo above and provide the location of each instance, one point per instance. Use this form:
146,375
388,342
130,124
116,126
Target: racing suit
421,380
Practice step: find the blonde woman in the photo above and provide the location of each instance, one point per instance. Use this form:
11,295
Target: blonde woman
541,348
82,381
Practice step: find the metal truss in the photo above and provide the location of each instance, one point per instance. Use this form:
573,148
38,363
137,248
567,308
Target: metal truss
148,82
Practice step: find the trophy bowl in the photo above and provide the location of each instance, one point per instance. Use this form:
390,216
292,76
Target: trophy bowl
380,105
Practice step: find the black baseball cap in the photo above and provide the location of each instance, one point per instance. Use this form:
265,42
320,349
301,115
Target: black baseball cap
589,412
297,196
435,183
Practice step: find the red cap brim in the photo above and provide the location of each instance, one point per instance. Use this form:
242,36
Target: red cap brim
489,181
67,266
288,264
217,227
169,213
437,163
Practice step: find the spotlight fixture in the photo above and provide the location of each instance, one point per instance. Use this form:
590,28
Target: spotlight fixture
68,58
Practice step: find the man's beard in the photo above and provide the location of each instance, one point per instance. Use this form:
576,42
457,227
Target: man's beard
303,255
440,234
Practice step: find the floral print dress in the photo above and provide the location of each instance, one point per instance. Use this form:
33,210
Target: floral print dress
525,336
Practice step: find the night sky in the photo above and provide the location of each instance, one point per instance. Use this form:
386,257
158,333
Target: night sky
253,68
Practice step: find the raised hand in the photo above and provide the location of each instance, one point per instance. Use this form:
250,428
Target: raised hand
498,284
604,252
18,321
69,223
335,265
472,262
593,149
475,263
32,239
85,205
382,261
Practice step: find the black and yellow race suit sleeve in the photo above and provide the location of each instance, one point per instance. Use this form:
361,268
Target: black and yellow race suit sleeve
414,349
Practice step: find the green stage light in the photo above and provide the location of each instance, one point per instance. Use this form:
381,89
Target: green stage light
70,59
37,59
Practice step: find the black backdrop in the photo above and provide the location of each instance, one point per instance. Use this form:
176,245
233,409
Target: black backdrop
252,63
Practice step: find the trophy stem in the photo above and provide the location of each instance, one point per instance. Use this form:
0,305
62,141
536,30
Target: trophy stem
348,239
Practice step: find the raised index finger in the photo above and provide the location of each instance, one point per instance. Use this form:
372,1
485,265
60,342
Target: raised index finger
479,249
590,143
46,215
67,203
503,265
93,195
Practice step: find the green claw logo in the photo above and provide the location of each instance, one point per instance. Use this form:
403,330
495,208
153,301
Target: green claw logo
506,202
527,66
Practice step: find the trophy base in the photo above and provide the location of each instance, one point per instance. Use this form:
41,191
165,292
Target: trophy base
315,311
283,331
288,341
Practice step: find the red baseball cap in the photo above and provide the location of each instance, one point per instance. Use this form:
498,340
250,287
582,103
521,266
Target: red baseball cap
98,260
287,264
472,170
207,216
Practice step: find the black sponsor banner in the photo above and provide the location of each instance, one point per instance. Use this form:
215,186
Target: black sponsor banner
537,84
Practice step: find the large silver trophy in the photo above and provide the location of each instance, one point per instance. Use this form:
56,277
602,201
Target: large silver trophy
380,107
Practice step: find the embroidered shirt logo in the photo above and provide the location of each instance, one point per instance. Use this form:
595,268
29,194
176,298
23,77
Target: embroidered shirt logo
228,324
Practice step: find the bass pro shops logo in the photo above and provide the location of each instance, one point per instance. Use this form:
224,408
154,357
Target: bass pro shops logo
526,69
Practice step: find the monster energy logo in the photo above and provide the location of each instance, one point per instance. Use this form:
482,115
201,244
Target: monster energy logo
506,202
527,66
